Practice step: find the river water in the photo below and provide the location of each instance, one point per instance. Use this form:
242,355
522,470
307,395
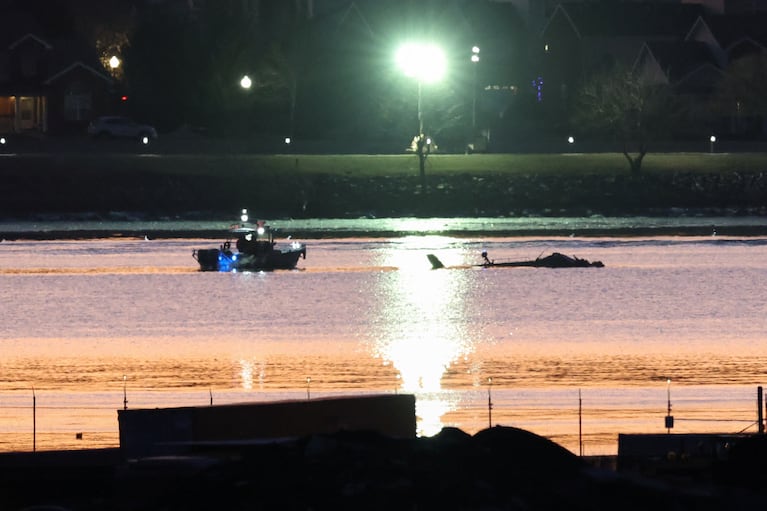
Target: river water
576,355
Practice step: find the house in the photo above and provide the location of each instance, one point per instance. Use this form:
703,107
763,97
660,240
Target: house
581,38
690,69
48,86
739,44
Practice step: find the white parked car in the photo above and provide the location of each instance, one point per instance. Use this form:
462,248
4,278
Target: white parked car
121,127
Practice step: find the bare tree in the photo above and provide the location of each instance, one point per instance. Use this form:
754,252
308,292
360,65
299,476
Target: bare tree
620,105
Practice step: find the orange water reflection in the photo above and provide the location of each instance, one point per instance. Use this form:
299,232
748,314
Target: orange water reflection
411,330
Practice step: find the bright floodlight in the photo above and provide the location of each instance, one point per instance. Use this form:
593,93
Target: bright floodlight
114,62
245,82
713,138
424,62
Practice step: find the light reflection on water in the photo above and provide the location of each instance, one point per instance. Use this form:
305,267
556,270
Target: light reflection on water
368,316
418,326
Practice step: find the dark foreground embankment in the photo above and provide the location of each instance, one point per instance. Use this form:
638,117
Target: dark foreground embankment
496,469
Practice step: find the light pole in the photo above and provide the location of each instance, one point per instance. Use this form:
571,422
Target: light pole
712,139
474,60
489,403
669,421
427,64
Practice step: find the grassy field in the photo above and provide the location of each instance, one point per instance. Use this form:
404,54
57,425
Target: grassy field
382,185
437,164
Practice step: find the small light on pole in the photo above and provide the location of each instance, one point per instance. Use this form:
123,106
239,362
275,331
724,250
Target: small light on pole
114,62
125,392
489,403
246,82
474,60
669,417
308,386
570,140
712,139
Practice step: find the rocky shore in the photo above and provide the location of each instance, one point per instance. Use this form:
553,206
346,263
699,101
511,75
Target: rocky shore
162,186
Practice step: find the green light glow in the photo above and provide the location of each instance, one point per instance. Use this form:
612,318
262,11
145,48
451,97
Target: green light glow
424,62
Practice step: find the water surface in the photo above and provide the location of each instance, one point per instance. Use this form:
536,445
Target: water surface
88,324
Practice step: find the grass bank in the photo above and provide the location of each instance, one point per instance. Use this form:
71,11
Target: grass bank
382,185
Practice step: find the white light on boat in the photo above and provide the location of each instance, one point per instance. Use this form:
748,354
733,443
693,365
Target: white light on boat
2,140
244,215
261,229
145,140
295,244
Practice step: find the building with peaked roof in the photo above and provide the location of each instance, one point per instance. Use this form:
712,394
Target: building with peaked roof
49,86
687,45
736,35
582,37
688,66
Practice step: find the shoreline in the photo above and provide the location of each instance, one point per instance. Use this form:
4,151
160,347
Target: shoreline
134,226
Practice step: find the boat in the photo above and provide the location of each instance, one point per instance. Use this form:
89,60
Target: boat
250,248
554,260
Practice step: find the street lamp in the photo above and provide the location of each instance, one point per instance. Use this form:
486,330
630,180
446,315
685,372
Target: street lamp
474,60
246,82
712,140
426,63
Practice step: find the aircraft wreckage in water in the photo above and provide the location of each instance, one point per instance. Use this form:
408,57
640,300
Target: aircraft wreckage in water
554,260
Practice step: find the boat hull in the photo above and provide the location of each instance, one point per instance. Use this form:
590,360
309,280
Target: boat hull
226,261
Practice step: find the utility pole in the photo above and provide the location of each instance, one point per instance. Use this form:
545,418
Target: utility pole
669,417
489,403
580,423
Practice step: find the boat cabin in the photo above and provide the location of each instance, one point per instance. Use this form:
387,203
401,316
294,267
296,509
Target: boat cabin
256,240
